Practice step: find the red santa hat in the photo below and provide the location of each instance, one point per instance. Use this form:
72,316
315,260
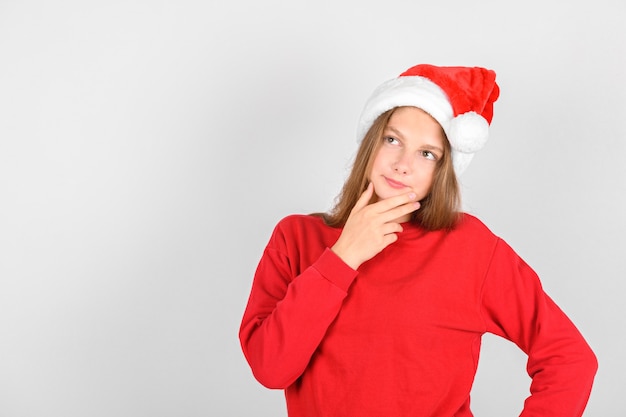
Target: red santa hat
459,98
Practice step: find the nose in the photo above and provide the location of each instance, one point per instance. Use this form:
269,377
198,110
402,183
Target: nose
402,165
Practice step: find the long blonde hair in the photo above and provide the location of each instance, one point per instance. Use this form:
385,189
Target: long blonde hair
439,209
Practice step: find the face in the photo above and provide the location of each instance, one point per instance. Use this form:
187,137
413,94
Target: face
412,143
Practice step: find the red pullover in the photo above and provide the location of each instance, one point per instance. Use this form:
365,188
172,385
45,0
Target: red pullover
401,337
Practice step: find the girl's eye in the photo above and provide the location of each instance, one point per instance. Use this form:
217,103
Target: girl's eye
390,140
429,155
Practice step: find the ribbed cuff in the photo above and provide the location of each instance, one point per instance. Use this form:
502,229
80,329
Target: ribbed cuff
334,269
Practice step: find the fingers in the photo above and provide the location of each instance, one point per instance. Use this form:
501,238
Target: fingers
397,212
391,228
396,201
395,207
372,227
389,239
389,209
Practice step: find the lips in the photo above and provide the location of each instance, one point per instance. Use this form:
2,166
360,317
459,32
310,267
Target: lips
395,184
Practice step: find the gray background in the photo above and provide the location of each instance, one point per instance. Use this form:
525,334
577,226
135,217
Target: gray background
147,148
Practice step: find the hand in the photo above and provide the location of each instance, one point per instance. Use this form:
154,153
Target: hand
370,228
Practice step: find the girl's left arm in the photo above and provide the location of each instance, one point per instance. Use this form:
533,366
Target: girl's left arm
560,362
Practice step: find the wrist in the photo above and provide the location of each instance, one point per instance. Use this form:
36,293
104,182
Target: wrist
345,256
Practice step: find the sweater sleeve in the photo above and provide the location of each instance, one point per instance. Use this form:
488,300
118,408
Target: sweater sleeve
289,312
560,362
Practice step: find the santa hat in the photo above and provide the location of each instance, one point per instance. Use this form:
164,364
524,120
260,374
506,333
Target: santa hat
459,98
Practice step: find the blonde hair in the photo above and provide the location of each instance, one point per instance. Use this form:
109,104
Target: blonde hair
439,210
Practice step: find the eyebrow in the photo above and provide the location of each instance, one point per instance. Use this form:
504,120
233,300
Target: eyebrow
427,146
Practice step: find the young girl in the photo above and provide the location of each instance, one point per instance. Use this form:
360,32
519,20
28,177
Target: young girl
377,309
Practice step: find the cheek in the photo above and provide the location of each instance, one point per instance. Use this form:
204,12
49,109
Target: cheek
431,176
427,177
382,160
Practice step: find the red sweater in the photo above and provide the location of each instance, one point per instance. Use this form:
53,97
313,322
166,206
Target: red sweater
401,336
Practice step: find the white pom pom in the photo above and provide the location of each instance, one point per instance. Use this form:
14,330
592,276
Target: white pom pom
468,132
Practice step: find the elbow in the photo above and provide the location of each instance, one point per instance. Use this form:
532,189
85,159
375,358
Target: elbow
272,373
270,368
586,365
272,378
588,370
590,360
592,363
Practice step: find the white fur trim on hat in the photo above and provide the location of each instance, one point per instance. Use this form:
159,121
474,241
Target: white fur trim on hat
406,91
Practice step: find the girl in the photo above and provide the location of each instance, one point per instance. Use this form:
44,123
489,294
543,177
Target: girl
377,308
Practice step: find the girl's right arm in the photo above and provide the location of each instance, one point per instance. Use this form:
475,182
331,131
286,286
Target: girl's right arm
289,310
287,317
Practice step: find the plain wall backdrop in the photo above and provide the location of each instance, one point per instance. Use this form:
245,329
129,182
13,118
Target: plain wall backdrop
148,148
